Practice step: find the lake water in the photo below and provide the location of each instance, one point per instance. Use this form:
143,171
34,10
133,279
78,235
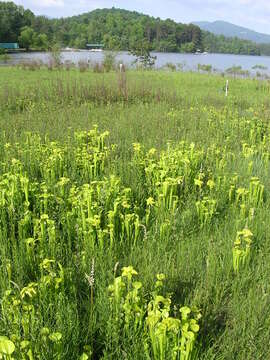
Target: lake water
220,62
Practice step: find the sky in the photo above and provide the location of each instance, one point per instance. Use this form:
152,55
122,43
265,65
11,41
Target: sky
254,14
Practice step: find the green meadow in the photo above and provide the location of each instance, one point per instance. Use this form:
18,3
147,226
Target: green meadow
134,216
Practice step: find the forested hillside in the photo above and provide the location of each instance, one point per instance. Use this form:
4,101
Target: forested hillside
117,29
120,29
221,44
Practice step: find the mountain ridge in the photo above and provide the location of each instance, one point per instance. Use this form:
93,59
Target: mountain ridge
220,27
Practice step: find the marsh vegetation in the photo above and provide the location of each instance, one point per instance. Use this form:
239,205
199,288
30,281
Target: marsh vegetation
134,215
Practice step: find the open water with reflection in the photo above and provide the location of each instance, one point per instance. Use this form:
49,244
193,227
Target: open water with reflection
220,62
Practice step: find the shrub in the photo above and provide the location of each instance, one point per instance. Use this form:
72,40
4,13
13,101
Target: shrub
170,66
83,65
109,61
98,68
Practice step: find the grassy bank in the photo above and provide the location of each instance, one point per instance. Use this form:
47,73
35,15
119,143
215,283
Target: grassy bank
133,216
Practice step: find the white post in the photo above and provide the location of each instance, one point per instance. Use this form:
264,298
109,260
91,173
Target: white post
121,67
227,88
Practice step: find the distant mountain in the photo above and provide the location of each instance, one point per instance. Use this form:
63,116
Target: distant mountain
230,30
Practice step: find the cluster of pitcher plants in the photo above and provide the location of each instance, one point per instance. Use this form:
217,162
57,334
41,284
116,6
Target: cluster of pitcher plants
61,206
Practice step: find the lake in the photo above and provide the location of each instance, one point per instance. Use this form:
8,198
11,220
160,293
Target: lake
220,62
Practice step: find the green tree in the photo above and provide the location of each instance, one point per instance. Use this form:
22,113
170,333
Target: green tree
141,50
12,19
27,38
41,41
188,47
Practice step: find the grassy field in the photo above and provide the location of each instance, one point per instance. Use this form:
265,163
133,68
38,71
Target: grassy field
134,216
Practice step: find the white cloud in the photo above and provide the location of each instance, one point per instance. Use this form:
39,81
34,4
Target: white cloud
51,3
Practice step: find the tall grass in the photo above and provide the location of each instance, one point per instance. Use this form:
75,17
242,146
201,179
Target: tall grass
133,216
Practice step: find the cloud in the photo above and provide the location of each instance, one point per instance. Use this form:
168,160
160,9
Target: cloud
248,13
51,3
33,4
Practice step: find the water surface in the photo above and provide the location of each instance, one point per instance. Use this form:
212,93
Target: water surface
220,62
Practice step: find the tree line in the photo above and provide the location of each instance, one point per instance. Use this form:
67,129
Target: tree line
221,44
115,28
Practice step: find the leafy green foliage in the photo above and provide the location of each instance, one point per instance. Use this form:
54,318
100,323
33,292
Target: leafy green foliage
224,45
26,39
176,187
12,19
162,336
141,51
30,39
116,29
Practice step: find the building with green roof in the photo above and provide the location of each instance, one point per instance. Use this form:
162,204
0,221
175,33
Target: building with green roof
9,46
